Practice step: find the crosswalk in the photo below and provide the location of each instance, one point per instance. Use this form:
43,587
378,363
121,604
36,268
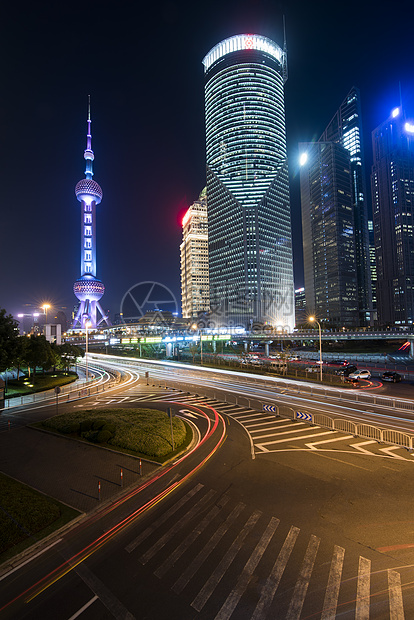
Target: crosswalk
269,433
231,561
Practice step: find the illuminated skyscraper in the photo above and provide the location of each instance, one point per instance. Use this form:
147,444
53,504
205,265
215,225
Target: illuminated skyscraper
346,128
194,259
328,234
249,227
335,221
392,185
88,289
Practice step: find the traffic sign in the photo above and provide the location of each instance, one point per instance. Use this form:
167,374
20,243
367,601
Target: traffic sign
300,415
271,408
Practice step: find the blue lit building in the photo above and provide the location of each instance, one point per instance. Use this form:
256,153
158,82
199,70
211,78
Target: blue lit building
392,186
248,204
346,129
328,234
88,289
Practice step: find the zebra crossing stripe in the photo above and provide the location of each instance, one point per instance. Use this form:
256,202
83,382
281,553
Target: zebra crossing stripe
301,587
188,541
214,579
137,541
235,595
273,580
176,527
330,602
395,593
193,567
363,589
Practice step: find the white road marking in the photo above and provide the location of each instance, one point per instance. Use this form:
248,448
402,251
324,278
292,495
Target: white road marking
363,589
82,609
273,580
395,594
358,446
330,602
268,443
388,451
301,587
235,595
215,578
312,444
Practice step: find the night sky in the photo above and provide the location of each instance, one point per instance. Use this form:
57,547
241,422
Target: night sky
142,65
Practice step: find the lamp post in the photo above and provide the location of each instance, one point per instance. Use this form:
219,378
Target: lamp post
87,325
45,309
201,342
312,319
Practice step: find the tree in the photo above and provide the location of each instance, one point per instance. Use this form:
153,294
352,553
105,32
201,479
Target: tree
38,353
69,354
9,334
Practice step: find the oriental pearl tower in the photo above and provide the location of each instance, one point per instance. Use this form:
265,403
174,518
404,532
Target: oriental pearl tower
88,289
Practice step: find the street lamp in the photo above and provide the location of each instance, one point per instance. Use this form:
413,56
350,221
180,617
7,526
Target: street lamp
201,342
45,308
312,319
87,325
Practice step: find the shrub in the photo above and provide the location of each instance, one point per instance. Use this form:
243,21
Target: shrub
73,427
98,424
85,425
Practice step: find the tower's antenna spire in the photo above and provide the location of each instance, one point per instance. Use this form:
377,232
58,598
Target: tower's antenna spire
88,153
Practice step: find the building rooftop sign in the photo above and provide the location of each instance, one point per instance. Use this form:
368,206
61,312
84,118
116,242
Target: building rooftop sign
243,42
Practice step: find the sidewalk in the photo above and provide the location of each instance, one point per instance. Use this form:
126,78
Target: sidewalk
65,469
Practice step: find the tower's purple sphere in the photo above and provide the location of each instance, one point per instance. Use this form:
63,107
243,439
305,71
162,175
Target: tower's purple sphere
88,190
89,288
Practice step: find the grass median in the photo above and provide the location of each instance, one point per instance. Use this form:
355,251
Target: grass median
140,432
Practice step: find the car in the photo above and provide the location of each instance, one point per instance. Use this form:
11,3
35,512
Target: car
313,369
352,380
346,370
389,375
338,363
360,374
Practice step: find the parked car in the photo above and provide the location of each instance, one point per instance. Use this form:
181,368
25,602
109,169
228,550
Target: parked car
360,374
394,377
313,369
338,363
346,370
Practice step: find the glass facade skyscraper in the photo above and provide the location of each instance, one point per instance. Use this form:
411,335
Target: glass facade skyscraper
392,186
249,226
346,128
328,234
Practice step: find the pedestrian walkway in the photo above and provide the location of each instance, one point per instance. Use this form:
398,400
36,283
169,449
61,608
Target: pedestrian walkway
68,470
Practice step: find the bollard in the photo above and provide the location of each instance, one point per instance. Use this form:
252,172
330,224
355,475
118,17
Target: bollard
122,478
99,490
140,467
8,424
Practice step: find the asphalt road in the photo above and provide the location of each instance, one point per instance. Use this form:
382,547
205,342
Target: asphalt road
315,526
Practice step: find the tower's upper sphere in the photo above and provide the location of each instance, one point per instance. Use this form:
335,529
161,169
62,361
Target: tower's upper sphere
88,190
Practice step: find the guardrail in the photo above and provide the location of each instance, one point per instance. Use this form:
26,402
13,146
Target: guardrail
363,430
68,392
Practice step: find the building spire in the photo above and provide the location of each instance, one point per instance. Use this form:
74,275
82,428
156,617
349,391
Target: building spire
88,153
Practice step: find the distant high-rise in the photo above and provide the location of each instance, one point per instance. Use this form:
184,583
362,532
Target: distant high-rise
373,267
249,226
88,289
346,128
328,234
392,185
194,259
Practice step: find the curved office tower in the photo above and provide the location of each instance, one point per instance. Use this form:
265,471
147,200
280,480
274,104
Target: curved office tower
249,227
